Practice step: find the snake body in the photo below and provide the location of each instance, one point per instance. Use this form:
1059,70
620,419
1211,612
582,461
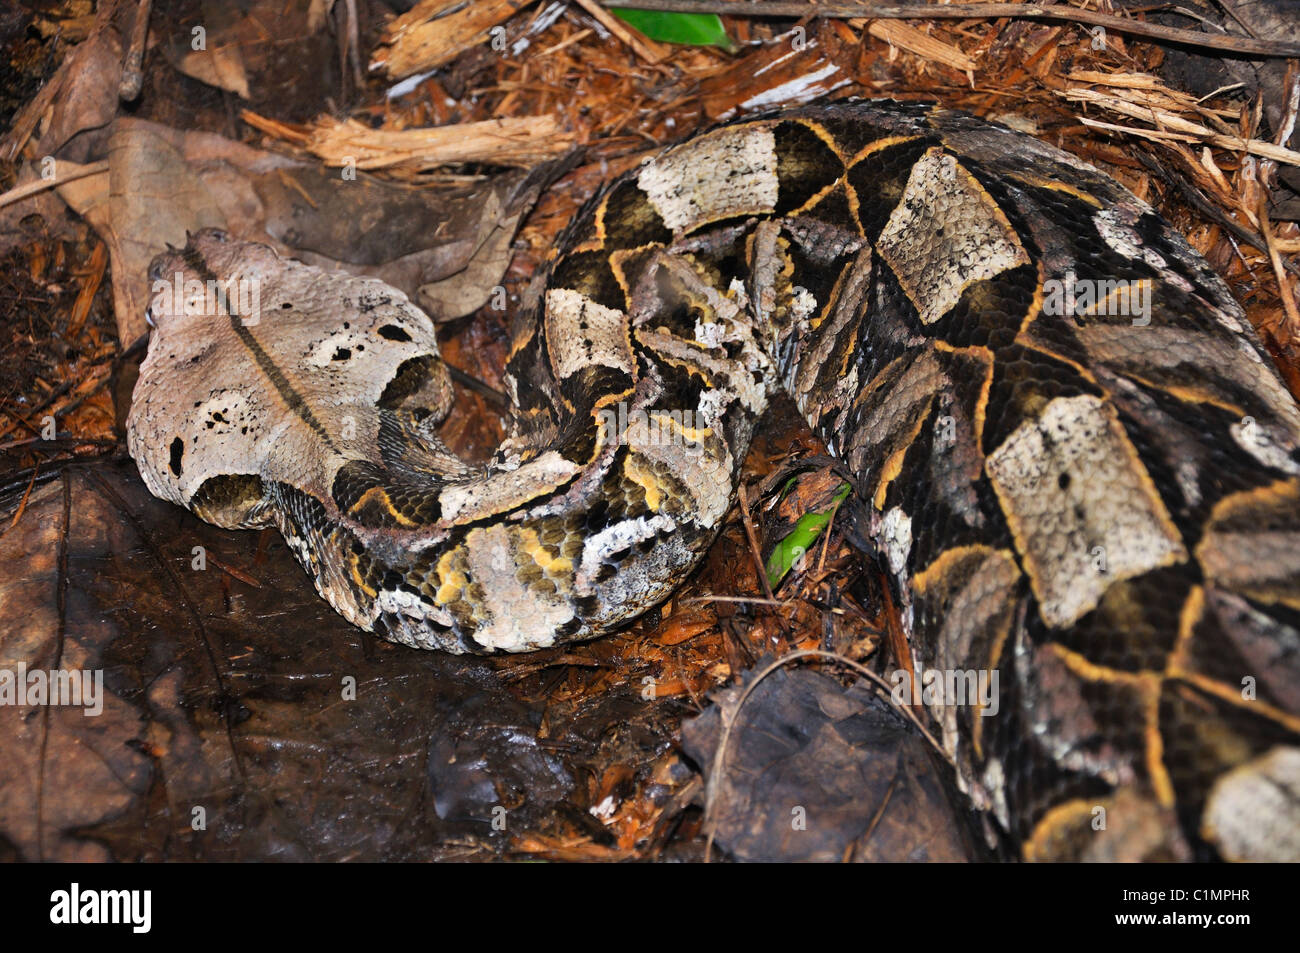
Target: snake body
1080,466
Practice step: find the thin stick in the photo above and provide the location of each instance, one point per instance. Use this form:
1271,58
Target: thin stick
354,46
752,535
974,11
880,812
647,49
1172,126
826,538
747,600
22,507
1207,208
128,87
484,390
31,188
1283,286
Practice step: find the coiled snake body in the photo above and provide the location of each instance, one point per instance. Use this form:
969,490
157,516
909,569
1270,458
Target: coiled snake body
1080,465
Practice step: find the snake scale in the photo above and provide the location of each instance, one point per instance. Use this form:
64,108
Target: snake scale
1096,495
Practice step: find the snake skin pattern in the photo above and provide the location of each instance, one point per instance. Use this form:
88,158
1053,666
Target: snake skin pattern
1080,466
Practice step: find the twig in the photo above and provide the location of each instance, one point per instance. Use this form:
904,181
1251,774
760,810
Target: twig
239,574
60,442
128,87
880,812
826,537
484,390
22,507
513,141
643,47
31,188
745,600
1174,127
974,11
752,535
1283,286
354,45
1205,207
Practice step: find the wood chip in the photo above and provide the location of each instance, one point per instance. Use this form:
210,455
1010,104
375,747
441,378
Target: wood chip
517,142
434,32
900,34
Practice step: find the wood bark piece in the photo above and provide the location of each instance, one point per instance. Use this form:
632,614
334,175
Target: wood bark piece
909,38
434,32
795,68
517,142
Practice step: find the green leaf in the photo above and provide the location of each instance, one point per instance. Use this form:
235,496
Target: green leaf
692,29
791,549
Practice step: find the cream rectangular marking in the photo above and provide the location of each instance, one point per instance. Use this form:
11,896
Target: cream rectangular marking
503,490
521,619
1070,481
945,234
580,332
729,172
1264,786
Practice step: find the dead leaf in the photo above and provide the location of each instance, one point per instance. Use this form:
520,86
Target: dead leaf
816,772
163,183
245,722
